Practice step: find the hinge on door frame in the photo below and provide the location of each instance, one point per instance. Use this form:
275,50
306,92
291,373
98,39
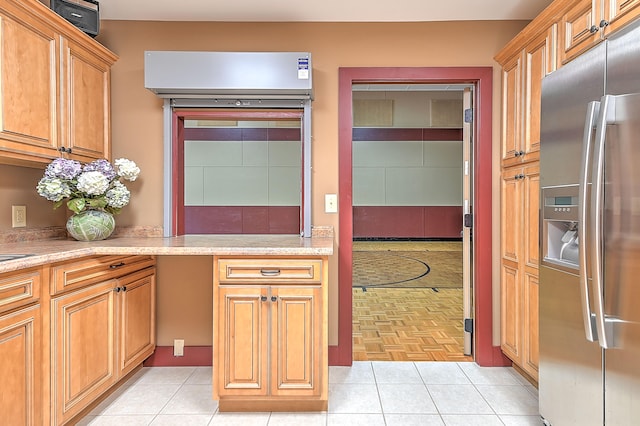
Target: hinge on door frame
468,325
468,220
468,115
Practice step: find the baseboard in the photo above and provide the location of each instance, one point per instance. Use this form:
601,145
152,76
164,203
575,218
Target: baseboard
198,356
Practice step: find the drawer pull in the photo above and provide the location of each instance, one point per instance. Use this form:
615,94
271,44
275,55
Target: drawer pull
116,265
263,298
270,272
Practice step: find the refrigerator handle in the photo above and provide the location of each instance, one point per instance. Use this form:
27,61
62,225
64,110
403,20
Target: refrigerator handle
595,232
588,316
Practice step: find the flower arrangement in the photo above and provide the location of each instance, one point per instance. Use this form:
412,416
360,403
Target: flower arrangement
92,186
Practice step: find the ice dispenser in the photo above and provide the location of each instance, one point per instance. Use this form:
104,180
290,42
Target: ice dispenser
560,226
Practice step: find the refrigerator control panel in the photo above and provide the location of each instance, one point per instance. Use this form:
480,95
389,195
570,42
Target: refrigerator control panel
560,226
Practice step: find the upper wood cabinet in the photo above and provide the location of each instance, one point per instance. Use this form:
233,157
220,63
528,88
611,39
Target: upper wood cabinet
587,22
522,71
579,29
54,88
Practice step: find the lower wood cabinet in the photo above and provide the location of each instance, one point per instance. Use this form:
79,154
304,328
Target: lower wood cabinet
270,334
21,378
99,333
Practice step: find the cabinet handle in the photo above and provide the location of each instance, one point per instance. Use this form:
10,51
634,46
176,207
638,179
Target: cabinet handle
270,272
593,29
116,265
521,153
117,289
604,23
63,149
263,298
274,299
124,288
516,154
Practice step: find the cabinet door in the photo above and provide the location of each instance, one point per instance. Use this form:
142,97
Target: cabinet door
579,29
242,341
511,110
296,323
86,119
510,312
136,312
28,89
620,13
21,367
531,200
83,347
511,213
539,60
531,351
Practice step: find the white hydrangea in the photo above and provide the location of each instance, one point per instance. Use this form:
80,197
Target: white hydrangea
93,183
118,196
127,169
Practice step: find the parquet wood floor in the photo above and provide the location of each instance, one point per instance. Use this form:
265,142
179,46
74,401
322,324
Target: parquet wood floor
399,324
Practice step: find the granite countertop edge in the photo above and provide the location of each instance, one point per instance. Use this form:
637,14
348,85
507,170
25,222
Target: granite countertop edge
50,251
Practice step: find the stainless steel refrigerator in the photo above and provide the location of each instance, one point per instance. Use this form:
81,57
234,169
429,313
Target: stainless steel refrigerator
589,371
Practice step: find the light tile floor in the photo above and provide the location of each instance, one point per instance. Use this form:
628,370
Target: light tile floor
367,393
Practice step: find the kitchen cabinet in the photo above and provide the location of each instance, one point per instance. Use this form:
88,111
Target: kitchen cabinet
54,88
587,22
21,379
520,191
522,71
270,334
102,327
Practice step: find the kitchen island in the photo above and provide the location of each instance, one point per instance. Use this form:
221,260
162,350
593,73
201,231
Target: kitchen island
84,314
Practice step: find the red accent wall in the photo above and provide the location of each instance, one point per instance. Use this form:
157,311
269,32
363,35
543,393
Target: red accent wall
407,221
242,219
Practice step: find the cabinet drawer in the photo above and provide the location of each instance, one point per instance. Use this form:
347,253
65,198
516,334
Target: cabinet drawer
79,273
307,271
19,288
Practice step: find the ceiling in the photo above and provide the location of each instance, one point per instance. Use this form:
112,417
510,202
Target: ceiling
320,11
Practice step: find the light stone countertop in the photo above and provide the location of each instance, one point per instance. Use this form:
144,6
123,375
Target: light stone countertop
48,251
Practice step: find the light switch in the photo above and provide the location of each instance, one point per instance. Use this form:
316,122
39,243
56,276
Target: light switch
330,203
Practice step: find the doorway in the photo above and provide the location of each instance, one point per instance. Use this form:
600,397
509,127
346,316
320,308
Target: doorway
411,179
481,78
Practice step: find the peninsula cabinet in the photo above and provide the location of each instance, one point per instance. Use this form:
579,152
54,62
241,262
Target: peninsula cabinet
21,379
54,88
102,327
270,334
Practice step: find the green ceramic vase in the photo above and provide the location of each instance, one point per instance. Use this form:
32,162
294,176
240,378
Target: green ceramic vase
91,225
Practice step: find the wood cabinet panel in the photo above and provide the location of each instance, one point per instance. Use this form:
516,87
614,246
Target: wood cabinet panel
619,13
86,125
21,367
28,89
19,288
579,29
298,327
511,317
242,341
511,109
137,319
531,350
511,214
84,347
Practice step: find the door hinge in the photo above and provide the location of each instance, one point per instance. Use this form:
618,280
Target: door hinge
468,220
468,325
468,115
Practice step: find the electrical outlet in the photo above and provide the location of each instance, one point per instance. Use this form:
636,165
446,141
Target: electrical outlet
178,347
330,203
18,216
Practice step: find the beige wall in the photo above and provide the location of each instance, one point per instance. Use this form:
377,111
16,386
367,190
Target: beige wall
137,117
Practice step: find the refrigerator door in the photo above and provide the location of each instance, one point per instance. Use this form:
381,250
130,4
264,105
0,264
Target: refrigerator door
622,229
570,378
619,316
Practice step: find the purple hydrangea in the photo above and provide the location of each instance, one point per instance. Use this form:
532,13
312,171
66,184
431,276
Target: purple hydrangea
63,168
102,166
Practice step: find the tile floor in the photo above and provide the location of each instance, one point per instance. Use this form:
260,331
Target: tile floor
368,393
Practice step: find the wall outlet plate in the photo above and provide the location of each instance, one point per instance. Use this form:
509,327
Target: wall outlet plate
178,347
18,216
330,203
